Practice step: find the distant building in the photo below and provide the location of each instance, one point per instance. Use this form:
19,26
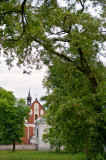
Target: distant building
40,126
36,111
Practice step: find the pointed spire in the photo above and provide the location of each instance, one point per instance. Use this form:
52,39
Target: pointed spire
29,93
29,98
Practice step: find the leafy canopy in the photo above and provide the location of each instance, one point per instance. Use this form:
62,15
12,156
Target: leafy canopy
71,110
12,115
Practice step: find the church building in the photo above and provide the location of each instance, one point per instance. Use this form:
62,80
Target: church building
36,111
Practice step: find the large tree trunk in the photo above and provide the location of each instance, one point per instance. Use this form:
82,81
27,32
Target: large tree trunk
87,153
13,145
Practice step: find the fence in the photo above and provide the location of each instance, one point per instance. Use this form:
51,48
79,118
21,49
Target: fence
18,147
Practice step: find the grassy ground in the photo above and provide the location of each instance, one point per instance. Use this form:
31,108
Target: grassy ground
37,155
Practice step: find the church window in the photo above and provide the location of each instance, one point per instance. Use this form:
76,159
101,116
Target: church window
36,116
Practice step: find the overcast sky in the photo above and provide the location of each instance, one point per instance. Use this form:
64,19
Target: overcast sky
14,80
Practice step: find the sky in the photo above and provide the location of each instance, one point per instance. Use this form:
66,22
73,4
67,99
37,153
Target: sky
14,80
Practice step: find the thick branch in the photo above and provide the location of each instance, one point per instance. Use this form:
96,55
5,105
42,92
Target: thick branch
68,59
83,60
22,12
23,5
50,49
22,9
82,4
87,70
15,11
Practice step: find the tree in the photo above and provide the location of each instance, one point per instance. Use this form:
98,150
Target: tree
12,115
76,124
38,28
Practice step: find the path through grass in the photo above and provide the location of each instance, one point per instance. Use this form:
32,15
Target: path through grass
37,155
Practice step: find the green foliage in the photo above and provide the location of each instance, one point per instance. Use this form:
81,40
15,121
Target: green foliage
12,115
71,111
100,157
47,28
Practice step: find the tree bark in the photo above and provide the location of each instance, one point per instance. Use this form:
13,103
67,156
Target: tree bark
13,145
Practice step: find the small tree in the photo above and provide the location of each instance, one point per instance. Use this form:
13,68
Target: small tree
12,115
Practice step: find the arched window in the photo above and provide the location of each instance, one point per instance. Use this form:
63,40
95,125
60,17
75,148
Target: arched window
36,116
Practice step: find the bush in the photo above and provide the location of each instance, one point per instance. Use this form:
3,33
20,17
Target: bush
99,157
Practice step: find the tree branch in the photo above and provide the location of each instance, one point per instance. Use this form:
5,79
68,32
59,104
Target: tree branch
87,71
85,67
68,59
22,9
82,4
22,13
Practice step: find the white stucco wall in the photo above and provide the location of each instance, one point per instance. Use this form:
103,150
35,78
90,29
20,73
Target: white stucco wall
41,125
32,140
18,147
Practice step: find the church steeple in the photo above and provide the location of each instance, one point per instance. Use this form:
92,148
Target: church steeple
29,98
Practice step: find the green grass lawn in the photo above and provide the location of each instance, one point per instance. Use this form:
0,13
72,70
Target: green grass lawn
37,155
